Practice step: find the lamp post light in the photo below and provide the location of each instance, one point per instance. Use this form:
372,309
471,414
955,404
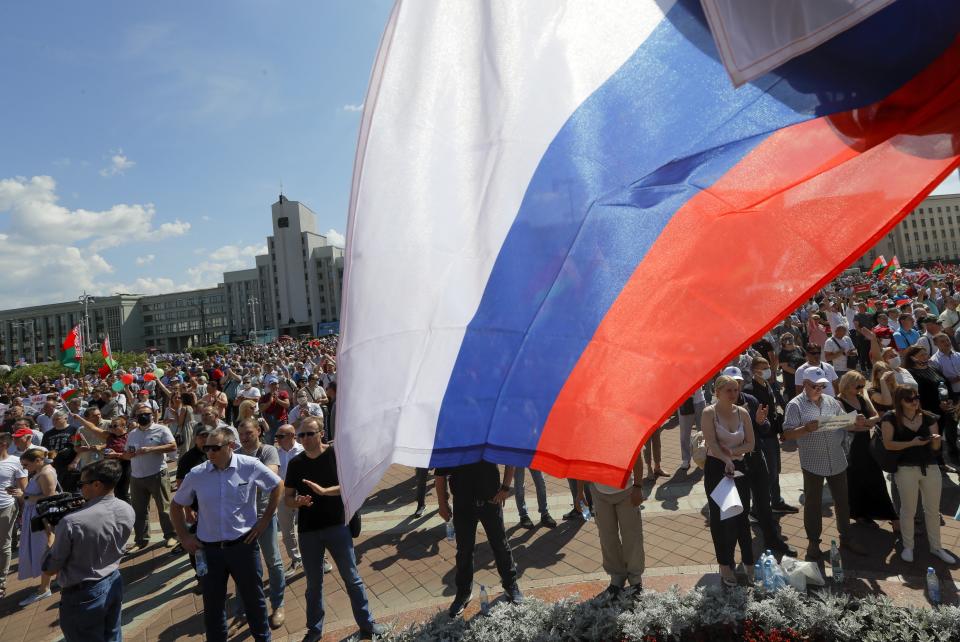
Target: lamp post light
33,335
85,299
253,302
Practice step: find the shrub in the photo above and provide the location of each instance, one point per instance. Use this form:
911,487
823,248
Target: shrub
703,614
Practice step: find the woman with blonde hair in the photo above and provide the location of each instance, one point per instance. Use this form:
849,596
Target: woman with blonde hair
248,410
881,387
866,487
728,433
35,544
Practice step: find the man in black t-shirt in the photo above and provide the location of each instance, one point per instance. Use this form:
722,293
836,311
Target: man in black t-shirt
59,441
478,496
312,486
193,457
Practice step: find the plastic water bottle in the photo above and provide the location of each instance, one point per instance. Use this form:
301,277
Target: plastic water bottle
942,390
836,565
451,533
585,511
933,586
768,575
484,600
758,575
201,559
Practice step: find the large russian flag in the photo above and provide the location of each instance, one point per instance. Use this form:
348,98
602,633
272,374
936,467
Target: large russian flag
565,217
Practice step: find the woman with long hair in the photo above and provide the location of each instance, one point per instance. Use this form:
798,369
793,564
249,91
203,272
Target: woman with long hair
41,482
728,433
115,447
866,487
914,434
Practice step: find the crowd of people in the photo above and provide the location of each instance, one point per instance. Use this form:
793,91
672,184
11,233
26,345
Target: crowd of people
235,453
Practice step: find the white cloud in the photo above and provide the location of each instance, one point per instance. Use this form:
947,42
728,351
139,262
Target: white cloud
353,107
145,260
36,273
119,164
335,238
226,258
950,185
35,217
147,285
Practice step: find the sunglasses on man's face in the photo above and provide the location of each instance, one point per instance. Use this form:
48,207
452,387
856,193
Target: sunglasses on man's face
301,435
212,448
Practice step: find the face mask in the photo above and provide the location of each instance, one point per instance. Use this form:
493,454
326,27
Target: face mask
884,342
765,374
144,419
894,363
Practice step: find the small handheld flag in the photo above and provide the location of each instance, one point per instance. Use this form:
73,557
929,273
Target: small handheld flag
71,352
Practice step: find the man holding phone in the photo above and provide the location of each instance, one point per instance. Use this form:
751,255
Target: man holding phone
146,450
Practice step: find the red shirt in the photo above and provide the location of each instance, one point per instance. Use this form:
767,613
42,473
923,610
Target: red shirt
276,411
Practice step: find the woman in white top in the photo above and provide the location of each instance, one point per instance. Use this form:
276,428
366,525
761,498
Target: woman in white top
728,433
901,375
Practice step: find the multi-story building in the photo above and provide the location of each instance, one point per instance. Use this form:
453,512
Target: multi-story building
295,288
176,321
930,233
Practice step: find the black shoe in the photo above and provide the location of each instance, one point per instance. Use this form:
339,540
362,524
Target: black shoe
784,507
612,592
312,636
546,520
526,522
574,514
782,548
460,602
513,594
375,632
634,592
419,511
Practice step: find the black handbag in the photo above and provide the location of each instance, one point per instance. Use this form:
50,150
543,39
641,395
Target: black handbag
887,460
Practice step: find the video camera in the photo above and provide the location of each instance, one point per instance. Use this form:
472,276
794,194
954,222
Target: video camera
51,510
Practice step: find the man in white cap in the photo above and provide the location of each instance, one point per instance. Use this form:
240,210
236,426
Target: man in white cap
822,458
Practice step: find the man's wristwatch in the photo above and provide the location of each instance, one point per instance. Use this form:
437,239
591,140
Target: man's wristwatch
505,488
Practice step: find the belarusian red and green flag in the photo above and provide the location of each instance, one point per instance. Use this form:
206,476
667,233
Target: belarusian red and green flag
878,264
72,350
107,355
892,267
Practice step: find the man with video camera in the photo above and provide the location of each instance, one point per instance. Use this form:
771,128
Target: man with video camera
86,557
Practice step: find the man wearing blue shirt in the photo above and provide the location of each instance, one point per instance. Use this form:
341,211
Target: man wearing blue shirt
907,335
227,530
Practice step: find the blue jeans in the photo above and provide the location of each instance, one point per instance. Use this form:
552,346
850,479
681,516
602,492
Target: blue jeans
270,548
313,545
520,496
242,563
92,613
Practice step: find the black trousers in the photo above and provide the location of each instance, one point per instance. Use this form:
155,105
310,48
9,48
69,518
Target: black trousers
466,515
727,533
122,490
758,476
422,474
242,563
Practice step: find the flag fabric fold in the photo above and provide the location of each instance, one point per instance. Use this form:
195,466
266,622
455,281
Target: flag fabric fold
594,220
878,264
107,354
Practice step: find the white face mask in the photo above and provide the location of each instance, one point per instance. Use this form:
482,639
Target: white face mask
884,342
894,363
766,373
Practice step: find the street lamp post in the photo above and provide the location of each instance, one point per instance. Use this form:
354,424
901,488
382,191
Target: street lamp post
85,299
33,335
253,302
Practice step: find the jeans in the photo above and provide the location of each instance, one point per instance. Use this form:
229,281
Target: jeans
520,496
142,489
287,519
313,545
8,520
770,447
727,533
242,563
813,504
466,515
92,613
687,423
586,494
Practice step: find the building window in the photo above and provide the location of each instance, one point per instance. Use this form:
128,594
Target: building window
939,210
926,247
916,236
914,221
283,221
923,223
925,235
941,220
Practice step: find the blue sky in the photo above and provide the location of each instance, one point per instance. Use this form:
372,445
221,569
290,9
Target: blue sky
144,142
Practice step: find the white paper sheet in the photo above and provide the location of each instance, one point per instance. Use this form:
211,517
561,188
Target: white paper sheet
838,422
727,498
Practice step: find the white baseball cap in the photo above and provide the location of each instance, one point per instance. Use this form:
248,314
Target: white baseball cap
815,375
733,372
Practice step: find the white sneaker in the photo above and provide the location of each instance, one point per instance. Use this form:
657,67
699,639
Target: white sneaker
906,555
36,597
945,556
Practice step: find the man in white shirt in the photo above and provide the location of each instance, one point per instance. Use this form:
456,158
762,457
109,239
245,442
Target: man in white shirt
12,475
146,450
837,348
45,418
304,408
288,447
932,326
813,361
834,317
949,318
